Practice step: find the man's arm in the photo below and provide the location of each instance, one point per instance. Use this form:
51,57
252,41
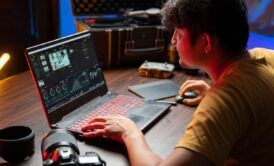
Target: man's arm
183,156
140,154
123,129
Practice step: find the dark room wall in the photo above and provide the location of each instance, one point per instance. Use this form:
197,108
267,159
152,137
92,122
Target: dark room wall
24,23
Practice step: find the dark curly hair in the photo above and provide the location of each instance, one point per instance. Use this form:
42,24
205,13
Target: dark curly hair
224,19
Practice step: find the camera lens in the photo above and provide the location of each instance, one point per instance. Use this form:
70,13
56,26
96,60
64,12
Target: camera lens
57,138
59,147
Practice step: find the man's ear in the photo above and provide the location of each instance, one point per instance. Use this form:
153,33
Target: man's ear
206,40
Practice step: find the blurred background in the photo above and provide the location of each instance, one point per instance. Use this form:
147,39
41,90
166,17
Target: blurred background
29,22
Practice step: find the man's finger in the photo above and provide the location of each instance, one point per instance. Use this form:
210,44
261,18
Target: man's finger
93,125
193,102
95,133
189,87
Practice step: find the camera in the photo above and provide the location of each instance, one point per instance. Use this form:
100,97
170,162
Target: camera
59,148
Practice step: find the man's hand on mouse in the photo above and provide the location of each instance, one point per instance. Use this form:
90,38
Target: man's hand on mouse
198,86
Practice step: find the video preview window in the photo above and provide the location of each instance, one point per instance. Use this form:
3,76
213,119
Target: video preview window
59,59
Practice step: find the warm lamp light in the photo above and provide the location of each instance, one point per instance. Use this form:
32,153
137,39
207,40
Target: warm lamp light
4,59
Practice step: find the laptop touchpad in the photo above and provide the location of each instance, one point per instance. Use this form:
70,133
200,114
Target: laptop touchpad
136,118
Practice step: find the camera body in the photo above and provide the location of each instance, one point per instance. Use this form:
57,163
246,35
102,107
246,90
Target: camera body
59,147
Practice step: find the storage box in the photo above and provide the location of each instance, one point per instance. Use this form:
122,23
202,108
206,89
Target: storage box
121,40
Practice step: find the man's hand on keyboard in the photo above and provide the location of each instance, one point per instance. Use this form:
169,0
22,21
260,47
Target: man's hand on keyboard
115,127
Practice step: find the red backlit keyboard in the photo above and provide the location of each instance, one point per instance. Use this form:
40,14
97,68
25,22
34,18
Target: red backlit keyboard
119,105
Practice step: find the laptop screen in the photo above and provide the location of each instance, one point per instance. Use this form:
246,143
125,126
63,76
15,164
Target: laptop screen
66,72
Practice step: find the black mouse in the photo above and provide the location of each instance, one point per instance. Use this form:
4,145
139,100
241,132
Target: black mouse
187,95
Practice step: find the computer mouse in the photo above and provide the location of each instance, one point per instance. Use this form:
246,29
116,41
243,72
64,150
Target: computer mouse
187,95
178,99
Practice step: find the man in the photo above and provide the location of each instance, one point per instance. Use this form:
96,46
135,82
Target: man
233,123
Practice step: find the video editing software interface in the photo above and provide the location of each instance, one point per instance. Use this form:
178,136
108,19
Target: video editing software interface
65,70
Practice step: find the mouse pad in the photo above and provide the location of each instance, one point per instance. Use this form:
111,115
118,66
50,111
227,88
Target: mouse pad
155,90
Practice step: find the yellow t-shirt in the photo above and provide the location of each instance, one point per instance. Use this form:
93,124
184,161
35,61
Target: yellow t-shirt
234,123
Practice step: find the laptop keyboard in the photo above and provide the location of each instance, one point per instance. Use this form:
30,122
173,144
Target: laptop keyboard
119,105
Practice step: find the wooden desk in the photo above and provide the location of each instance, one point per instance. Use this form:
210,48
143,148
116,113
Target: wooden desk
20,105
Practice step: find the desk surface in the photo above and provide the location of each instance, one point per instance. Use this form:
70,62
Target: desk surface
20,105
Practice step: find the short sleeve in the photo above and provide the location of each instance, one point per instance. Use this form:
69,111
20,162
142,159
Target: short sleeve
214,128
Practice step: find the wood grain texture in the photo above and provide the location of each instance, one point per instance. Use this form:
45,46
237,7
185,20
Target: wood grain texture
20,105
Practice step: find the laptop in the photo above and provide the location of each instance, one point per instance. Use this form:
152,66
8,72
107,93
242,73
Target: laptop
72,87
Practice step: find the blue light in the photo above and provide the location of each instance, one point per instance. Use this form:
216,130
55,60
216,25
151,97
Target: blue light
259,40
67,25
